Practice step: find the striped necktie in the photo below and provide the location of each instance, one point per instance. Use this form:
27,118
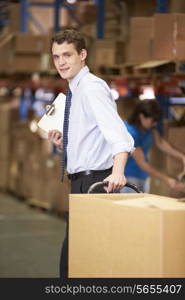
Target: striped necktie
65,130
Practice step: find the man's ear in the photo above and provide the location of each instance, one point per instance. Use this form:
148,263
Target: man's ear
83,54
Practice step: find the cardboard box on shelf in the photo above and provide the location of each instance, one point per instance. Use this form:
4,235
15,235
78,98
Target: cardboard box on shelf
30,43
126,235
27,63
14,16
28,144
4,174
106,53
5,146
6,56
141,28
5,113
15,183
45,17
86,12
169,36
88,30
175,137
8,117
55,193
139,48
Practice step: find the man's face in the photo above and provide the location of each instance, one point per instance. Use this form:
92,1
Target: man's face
67,60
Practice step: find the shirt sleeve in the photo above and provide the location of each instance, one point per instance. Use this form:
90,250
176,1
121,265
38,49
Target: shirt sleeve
109,122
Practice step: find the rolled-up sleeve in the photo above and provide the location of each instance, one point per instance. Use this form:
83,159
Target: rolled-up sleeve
108,120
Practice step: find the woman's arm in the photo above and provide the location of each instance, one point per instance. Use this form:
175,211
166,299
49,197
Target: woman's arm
138,155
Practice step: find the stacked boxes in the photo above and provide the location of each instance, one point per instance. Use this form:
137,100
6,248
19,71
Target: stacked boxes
161,37
106,53
29,51
29,169
169,37
6,54
34,172
7,118
24,145
25,53
140,43
175,167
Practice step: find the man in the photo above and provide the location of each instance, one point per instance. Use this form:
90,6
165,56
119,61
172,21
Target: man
97,142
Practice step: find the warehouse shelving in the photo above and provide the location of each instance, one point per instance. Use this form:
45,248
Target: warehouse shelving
56,5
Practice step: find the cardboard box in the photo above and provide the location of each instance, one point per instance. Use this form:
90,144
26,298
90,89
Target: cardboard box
6,56
139,50
8,117
176,138
4,174
86,12
51,193
45,17
106,53
5,146
126,235
14,16
5,113
26,143
169,36
141,40
14,178
141,27
26,62
30,43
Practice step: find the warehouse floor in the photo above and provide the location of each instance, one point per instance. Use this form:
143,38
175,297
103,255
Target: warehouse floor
30,240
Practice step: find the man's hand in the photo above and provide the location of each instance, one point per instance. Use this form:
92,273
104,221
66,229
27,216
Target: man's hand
56,138
116,182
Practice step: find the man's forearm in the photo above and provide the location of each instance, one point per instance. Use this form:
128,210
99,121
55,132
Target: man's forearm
120,160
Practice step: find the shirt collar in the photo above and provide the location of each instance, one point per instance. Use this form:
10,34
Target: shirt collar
75,81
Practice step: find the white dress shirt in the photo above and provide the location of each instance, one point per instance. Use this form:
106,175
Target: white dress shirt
96,132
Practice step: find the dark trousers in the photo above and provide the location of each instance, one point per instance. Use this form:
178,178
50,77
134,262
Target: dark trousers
78,186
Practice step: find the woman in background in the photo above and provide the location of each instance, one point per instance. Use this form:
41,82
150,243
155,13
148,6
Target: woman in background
142,126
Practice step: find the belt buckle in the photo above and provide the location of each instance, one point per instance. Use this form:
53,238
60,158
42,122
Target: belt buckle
88,172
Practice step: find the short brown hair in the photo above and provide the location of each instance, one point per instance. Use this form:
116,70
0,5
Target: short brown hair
70,36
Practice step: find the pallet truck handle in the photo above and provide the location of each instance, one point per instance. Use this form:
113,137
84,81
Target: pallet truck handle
102,184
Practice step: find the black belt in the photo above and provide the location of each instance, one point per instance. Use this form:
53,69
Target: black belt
75,176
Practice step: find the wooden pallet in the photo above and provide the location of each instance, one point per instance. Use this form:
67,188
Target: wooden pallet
107,71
